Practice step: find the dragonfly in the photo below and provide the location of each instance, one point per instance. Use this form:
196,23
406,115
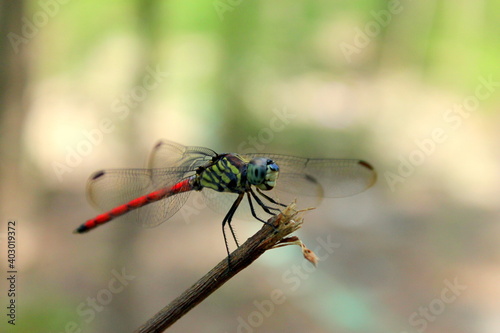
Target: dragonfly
174,171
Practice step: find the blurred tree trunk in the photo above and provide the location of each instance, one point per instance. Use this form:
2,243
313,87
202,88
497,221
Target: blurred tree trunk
13,77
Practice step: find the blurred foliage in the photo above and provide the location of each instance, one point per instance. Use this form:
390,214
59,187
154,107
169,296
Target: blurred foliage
243,50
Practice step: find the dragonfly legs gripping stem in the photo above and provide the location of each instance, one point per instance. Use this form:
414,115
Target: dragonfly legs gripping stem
229,216
227,219
267,209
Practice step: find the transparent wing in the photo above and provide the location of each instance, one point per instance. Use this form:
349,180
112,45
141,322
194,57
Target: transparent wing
160,211
168,163
107,189
331,178
171,154
302,178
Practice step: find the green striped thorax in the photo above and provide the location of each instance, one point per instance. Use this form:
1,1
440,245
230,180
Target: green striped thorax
262,172
233,173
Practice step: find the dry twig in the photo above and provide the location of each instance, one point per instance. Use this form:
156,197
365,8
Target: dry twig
266,238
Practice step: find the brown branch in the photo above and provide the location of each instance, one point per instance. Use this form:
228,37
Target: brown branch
266,238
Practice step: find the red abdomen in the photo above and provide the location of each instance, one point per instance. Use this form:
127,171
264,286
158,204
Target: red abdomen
180,187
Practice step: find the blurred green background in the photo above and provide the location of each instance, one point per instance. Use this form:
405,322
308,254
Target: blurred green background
410,86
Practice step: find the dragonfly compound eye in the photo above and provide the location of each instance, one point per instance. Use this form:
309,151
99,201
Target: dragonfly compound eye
262,172
256,171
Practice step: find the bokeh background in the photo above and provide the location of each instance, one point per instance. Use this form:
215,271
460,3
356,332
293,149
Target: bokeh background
410,86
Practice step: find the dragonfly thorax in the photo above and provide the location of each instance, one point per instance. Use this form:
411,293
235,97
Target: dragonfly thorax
262,172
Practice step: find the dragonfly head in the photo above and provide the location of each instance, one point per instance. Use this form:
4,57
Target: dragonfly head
262,172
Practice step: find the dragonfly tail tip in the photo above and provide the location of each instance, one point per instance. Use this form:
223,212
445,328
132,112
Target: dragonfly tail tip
81,229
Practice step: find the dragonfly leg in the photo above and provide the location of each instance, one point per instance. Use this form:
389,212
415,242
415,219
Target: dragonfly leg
227,219
253,210
266,208
269,198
